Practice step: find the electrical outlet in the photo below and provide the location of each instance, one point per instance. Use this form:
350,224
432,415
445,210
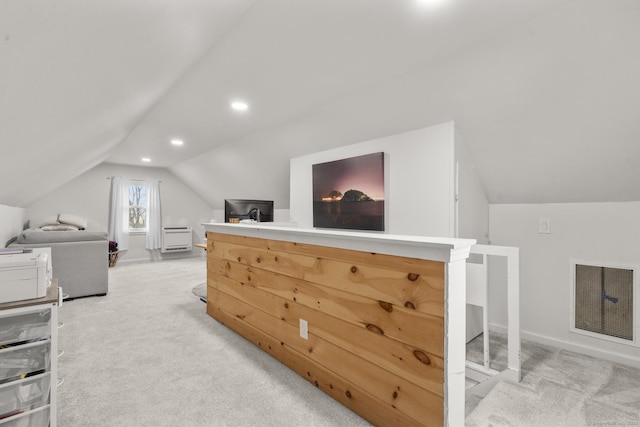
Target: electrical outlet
304,329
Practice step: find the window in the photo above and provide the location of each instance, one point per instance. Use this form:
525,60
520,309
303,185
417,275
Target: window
137,207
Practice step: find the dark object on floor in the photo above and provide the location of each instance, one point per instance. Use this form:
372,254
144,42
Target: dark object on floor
113,258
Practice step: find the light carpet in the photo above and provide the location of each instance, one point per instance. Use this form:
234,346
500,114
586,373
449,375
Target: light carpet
147,354
558,389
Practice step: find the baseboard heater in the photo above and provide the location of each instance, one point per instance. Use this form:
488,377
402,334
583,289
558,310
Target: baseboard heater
176,239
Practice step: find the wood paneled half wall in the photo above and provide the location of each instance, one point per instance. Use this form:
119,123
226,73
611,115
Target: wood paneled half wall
375,322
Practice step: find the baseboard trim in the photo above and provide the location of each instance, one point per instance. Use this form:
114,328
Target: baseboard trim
576,348
142,260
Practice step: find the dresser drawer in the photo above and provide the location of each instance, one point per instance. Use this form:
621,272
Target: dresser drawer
25,327
24,395
18,361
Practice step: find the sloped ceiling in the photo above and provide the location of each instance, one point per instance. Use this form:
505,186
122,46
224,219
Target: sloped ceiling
544,93
77,78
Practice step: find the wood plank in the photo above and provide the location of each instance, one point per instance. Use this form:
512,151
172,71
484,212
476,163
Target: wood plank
414,364
417,266
395,322
376,322
401,394
351,396
399,288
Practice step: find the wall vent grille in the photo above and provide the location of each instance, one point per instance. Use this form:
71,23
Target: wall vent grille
176,239
604,301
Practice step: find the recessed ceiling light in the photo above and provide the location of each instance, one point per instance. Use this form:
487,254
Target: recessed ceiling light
177,142
429,3
146,159
239,106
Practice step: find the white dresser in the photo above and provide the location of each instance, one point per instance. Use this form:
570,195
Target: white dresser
28,365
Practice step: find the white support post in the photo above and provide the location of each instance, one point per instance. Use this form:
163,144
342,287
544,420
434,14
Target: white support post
513,315
485,314
53,357
455,351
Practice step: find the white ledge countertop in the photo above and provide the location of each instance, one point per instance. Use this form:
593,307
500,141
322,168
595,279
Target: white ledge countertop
435,248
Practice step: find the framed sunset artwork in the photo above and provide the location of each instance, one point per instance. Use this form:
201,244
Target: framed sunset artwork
349,193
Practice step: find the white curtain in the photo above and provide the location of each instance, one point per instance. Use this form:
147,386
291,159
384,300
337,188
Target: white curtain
154,214
119,212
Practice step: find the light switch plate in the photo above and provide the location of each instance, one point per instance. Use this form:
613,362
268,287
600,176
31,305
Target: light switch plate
544,226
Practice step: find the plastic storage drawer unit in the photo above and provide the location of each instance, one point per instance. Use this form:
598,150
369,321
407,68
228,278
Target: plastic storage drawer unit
24,327
21,361
37,418
25,395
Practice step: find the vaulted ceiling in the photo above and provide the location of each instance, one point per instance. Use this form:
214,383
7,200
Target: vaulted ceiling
544,93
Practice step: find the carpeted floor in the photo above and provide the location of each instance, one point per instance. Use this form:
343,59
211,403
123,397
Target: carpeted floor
558,389
148,355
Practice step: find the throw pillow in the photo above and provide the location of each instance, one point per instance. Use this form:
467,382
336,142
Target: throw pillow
79,222
48,220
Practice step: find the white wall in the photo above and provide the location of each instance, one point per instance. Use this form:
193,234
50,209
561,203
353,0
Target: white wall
257,166
88,196
419,180
473,206
12,220
605,233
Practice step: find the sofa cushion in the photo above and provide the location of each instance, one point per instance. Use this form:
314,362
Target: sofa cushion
60,227
38,235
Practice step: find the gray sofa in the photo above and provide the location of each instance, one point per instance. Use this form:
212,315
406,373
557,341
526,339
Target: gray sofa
79,257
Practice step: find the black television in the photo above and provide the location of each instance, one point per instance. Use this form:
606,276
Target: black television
257,210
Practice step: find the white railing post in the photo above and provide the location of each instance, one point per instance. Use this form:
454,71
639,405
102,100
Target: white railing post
513,315
513,371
